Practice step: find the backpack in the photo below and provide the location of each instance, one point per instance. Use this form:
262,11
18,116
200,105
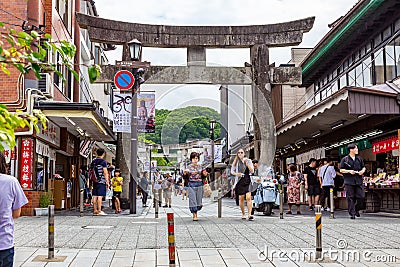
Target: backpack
92,174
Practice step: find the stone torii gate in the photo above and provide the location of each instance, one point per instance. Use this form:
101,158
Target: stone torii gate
196,39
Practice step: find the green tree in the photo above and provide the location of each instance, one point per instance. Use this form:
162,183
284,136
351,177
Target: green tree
28,52
191,122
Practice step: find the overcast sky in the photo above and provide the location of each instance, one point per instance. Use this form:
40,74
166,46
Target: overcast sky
218,12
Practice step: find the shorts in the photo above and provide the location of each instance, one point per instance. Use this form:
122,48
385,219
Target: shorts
99,190
314,190
186,188
117,194
167,193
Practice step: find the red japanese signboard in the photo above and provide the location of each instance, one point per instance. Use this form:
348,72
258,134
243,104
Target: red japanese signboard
385,145
26,163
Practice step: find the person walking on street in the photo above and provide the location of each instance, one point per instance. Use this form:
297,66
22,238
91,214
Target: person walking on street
12,198
195,185
144,184
295,180
328,174
117,183
185,182
312,183
156,181
84,184
352,167
166,186
103,181
241,169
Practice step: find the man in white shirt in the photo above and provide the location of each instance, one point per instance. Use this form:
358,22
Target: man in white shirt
327,173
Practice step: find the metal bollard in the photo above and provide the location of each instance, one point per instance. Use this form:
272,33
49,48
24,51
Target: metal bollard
332,214
280,204
318,225
51,232
81,203
219,203
156,196
171,238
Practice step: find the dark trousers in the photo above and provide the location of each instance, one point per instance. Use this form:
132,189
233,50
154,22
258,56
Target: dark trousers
355,198
144,197
326,191
7,257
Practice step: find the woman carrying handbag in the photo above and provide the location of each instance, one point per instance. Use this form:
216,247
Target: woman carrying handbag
241,169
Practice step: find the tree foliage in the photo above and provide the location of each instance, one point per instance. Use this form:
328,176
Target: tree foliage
180,125
28,51
10,121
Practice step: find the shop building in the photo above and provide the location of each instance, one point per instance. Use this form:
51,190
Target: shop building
49,160
352,94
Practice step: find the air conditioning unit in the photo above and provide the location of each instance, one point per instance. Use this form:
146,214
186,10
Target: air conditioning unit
45,84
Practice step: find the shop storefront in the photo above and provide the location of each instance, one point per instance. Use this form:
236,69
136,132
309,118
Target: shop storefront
382,185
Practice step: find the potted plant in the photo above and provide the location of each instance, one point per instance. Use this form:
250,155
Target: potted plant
45,200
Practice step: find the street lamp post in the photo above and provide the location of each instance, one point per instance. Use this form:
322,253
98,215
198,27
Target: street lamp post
135,51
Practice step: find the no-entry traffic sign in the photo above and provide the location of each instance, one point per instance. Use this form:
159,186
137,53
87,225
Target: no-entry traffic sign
124,80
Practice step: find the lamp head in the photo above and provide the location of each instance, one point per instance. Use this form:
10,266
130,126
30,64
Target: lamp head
135,49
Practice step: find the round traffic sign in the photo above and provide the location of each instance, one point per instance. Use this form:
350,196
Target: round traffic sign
124,80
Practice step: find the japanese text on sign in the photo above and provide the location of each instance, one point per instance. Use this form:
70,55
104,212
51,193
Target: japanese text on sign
26,163
385,145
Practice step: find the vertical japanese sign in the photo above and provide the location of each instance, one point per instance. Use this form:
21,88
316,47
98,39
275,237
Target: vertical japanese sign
122,113
26,163
146,113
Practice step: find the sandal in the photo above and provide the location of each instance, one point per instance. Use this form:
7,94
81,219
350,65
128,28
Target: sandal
243,217
251,218
289,212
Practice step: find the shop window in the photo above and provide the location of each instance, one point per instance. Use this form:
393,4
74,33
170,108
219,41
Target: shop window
367,72
379,67
96,55
343,81
359,76
377,40
397,25
397,55
390,60
387,33
334,74
317,97
39,179
368,47
352,77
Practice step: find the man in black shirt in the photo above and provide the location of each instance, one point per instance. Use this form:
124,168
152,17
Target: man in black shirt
313,183
352,167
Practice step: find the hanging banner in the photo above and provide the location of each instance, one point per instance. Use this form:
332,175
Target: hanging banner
146,113
208,154
85,147
122,113
362,144
26,163
317,153
385,145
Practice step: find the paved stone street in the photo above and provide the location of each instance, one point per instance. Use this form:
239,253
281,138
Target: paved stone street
125,239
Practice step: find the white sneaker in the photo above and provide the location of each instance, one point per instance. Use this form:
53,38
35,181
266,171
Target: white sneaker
322,209
102,213
328,209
